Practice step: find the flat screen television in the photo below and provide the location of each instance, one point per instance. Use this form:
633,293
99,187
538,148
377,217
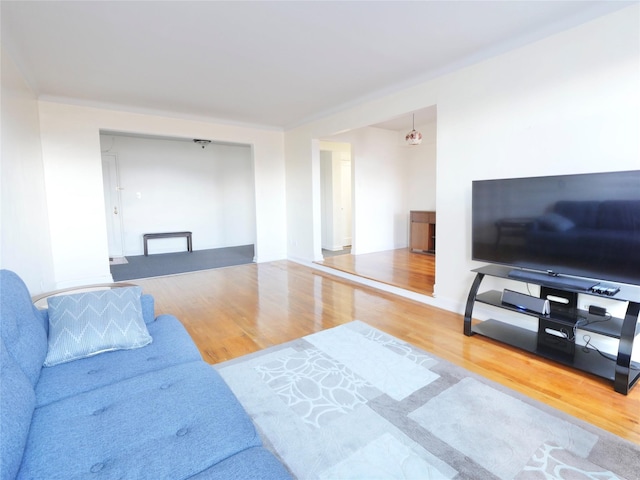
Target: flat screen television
584,225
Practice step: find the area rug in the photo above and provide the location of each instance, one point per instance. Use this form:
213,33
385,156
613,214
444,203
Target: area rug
159,264
353,402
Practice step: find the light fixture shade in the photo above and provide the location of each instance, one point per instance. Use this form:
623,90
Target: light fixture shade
413,137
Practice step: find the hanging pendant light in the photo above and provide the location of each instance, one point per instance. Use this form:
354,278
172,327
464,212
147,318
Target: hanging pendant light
413,137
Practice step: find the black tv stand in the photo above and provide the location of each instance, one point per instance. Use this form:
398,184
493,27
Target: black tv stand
555,338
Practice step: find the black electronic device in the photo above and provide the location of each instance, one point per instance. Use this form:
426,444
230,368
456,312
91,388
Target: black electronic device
596,310
561,227
526,302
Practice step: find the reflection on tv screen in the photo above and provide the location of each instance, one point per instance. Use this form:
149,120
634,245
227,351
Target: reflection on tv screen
584,225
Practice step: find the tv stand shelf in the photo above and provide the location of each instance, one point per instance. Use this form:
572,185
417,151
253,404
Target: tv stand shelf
618,369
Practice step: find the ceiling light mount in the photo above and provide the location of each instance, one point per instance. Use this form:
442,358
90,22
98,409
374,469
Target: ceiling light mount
413,137
201,142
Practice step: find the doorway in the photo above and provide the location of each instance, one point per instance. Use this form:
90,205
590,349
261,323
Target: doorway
390,179
336,198
113,207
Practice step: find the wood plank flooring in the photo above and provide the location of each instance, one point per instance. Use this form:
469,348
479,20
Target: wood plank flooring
401,268
237,310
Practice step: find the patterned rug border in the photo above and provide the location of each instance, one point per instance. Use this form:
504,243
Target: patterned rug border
615,450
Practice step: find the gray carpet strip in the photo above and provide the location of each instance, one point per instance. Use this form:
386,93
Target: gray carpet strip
157,265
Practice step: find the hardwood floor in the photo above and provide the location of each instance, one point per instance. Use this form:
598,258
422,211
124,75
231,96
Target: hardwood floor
401,268
238,310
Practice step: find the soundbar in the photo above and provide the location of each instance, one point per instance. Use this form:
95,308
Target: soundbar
552,280
526,302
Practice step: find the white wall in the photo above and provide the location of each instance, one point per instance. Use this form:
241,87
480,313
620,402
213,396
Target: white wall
379,201
176,185
327,187
73,176
303,215
567,104
24,226
421,169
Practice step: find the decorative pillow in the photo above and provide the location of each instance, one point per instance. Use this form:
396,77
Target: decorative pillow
556,222
85,324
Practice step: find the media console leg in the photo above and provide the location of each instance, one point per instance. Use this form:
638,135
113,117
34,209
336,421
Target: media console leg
625,349
471,299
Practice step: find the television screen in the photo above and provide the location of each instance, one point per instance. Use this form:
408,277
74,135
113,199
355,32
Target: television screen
585,225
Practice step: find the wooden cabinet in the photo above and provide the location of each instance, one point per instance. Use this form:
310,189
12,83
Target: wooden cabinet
422,231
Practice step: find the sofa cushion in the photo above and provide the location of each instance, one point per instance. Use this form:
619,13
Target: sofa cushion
583,214
89,323
170,423
171,345
17,401
148,308
146,300
620,215
255,463
555,222
21,326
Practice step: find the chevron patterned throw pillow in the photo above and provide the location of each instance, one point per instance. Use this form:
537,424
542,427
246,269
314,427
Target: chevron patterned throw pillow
85,324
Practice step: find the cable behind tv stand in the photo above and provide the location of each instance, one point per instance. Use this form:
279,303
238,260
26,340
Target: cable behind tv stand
555,338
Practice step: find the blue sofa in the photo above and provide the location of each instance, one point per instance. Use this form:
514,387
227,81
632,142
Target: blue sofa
607,231
152,412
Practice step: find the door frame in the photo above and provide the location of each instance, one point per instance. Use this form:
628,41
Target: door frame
113,204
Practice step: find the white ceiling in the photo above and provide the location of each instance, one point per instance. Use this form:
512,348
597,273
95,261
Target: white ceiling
267,63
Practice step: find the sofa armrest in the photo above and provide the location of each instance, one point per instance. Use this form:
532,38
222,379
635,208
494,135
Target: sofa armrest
148,308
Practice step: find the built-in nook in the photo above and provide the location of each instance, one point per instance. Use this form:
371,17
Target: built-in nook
388,178
336,195
156,184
